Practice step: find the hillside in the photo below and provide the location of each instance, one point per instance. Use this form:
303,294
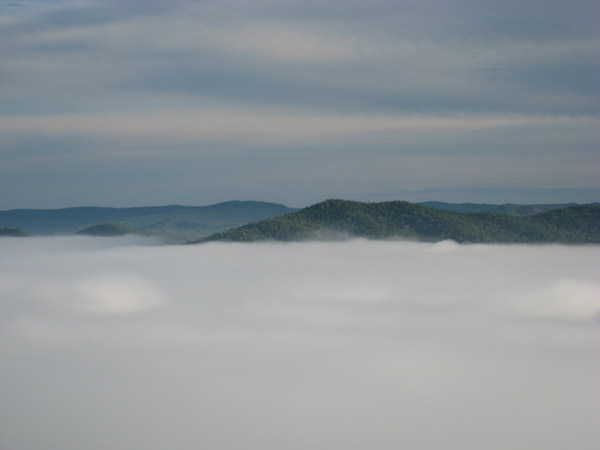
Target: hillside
106,229
335,219
12,232
183,222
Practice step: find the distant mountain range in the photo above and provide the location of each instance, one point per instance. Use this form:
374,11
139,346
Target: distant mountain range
177,222
335,219
332,219
510,209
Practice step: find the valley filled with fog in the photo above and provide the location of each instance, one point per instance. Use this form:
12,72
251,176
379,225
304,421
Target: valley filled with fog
123,344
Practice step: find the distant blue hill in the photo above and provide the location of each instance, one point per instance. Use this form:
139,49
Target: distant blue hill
12,232
107,230
177,221
510,209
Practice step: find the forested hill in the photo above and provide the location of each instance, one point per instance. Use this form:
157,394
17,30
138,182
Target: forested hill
106,229
335,219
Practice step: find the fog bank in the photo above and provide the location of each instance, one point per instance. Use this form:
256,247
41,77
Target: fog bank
109,344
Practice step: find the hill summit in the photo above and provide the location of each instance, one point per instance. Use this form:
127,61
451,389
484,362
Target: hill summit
106,229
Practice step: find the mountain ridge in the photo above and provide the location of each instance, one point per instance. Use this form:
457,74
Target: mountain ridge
333,219
512,209
176,220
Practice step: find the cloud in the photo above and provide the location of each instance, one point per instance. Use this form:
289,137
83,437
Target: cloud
268,127
117,295
206,155
269,346
272,82
401,58
566,299
111,294
445,246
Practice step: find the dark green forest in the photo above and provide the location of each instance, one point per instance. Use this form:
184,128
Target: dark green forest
339,219
106,229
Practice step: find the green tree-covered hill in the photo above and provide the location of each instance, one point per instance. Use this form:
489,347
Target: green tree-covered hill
106,229
335,219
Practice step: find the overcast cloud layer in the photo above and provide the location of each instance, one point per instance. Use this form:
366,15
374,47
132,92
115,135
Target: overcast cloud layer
105,344
148,102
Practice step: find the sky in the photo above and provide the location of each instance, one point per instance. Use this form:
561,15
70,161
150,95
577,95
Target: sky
142,102
110,343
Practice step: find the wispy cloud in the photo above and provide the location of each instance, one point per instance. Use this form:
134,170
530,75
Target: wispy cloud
268,126
133,78
403,60
566,299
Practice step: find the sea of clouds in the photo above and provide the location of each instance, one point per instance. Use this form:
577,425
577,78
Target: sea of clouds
121,344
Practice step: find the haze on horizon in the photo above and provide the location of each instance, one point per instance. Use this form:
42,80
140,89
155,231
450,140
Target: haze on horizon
137,102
